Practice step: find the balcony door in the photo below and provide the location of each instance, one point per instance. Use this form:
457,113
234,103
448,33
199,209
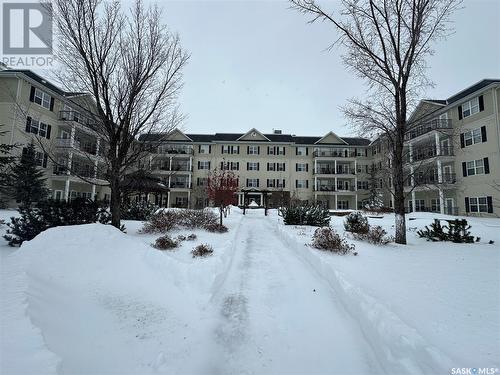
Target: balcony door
449,206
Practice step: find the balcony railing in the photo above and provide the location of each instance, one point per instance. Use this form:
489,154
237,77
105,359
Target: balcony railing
333,188
425,153
433,179
79,172
334,153
173,168
328,170
79,118
428,126
89,148
180,185
175,151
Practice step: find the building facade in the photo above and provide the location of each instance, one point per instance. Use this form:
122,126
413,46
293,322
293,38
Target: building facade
452,152
32,110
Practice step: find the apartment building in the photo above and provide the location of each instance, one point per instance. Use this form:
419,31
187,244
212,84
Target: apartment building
69,150
330,170
452,153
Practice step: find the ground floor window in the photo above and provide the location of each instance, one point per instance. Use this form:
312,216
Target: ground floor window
79,194
181,201
342,205
58,194
478,204
419,204
435,205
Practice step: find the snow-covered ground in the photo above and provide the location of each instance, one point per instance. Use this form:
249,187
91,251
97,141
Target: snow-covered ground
90,299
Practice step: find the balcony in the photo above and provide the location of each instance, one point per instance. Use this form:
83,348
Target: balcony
424,153
333,153
172,150
427,127
173,168
75,116
87,147
78,172
180,185
433,179
332,188
331,170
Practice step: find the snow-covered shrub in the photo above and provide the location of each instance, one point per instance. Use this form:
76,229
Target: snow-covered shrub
197,218
181,238
434,233
191,237
377,236
161,222
165,242
305,215
216,228
50,213
355,222
202,250
328,239
137,210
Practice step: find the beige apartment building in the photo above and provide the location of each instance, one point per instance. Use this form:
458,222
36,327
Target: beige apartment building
68,149
452,154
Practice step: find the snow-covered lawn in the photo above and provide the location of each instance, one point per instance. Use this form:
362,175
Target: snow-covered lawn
90,299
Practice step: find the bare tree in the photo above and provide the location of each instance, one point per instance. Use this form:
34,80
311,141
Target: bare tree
132,67
387,42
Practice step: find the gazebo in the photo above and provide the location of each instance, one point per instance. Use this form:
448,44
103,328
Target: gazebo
261,194
142,183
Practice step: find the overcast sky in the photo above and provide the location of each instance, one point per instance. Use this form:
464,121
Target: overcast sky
259,64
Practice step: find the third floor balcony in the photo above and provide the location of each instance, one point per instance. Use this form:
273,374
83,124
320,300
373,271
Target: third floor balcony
426,127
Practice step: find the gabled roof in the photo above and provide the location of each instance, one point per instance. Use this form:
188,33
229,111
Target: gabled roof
254,133
332,137
42,81
470,90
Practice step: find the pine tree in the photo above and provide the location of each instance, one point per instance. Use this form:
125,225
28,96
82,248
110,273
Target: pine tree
375,197
26,180
6,159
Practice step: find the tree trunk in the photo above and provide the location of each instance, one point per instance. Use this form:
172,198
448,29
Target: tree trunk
115,202
221,209
398,181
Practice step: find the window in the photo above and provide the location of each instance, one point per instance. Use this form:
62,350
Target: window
363,185
472,137
301,167
280,166
252,182
276,150
229,149
252,166
271,167
230,165
204,149
42,98
301,151
342,205
37,127
253,150
201,181
478,204
470,108
419,205
475,167
275,183
202,164
301,184
435,205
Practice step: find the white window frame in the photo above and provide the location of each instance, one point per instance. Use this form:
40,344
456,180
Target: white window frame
253,150
301,184
252,182
253,166
301,167
470,107
478,204
475,167
41,98
204,149
419,205
280,167
204,165
472,137
301,150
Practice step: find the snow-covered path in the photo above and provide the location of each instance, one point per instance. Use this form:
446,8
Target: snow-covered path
279,316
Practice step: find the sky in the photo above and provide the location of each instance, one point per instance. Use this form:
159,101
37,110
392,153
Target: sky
260,64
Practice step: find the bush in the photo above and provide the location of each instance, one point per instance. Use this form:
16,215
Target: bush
197,218
457,231
328,239
355,222
191,237
377,236
51,213
137,210
306,215
161,222
165,243
216,228
166,220
202,250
